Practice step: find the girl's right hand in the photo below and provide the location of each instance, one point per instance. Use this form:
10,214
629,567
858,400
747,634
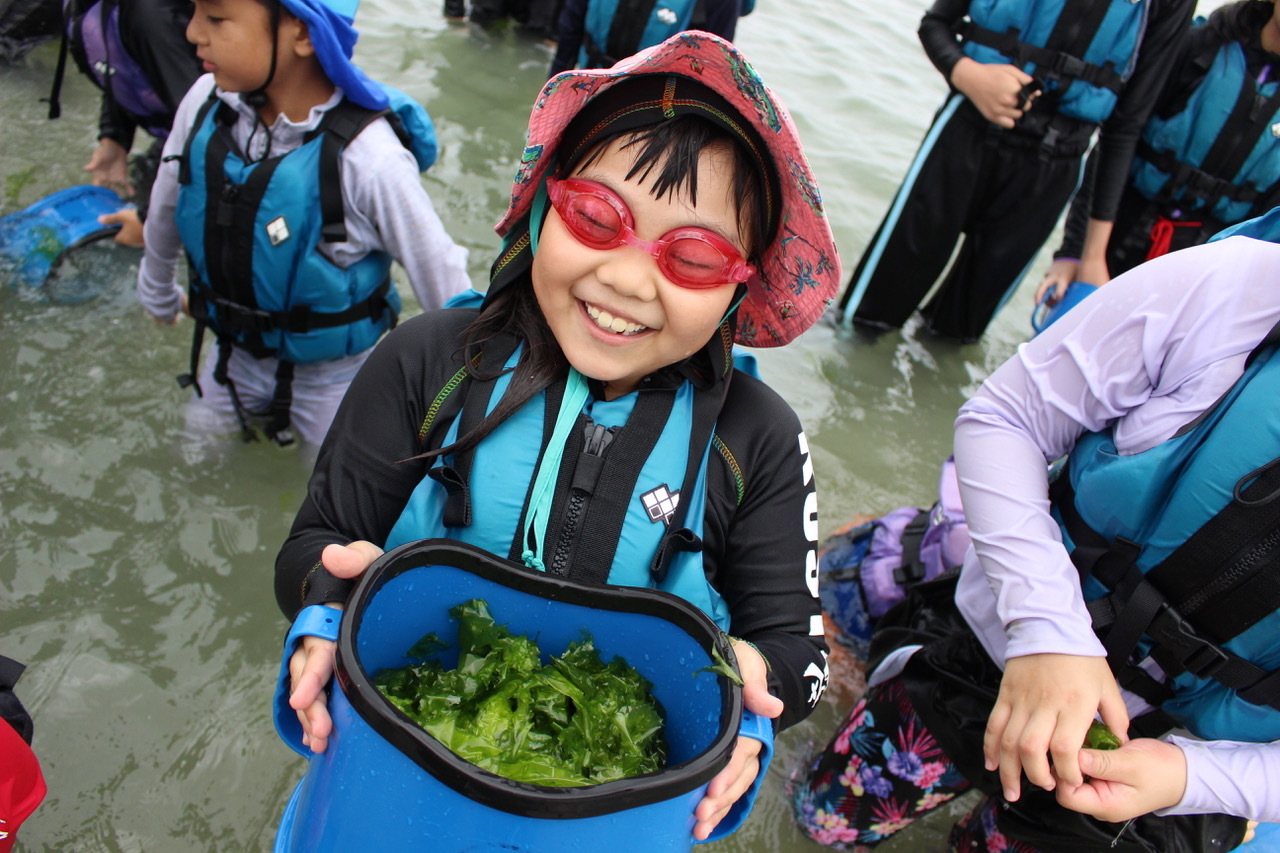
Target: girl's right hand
311,665
996,90
1057,278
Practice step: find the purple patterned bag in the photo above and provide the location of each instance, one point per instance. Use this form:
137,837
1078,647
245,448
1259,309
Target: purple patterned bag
866,570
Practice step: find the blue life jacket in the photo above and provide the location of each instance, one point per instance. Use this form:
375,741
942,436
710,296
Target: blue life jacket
94,38
1083,57
1180,555
630,507
1220,154
252,231
615,29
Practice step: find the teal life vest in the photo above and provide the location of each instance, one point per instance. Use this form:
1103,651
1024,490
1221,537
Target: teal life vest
252,231
1083,53
615,29
1179,552
1221,153
631,497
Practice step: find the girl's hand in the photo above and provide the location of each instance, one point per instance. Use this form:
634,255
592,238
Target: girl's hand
1045,706
996,90
109,166
311,665
1057,278
1140,777
744,765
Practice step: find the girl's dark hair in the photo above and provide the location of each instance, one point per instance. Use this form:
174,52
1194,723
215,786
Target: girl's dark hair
666,157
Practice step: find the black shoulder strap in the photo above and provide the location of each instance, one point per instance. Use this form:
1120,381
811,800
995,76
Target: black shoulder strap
627,27
471,394
340,124
184,169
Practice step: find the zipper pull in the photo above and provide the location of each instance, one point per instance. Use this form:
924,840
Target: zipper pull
591,460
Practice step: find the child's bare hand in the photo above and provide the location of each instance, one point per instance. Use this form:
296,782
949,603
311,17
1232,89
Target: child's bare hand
996,90
109,166
1045,707
130,233
311,665
1138,778
733,781
1059,275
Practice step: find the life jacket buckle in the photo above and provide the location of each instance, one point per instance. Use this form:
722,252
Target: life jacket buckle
1205,661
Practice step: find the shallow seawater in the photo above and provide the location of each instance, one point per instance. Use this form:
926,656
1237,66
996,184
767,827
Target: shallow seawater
136,572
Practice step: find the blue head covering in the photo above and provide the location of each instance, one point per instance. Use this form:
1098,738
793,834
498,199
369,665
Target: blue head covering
331,25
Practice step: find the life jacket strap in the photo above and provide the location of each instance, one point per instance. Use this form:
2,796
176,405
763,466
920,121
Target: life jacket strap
1195,183
1050,64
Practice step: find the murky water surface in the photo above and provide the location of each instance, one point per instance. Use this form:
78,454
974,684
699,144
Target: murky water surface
135,575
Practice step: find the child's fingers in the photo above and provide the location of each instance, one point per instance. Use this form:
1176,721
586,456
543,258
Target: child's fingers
727,787
349,561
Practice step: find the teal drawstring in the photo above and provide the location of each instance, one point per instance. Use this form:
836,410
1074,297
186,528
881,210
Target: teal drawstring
544,483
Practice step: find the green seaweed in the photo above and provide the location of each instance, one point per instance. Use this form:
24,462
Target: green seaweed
1100,736
575,721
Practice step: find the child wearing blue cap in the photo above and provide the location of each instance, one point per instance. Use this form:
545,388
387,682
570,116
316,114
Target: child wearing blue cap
291,181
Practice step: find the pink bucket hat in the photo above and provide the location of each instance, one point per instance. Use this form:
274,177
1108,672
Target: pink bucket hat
799,271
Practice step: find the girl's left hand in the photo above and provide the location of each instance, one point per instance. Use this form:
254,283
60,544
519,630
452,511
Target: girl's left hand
744,765
311,665
1138,778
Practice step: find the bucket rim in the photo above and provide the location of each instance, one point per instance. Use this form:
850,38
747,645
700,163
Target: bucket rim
508,795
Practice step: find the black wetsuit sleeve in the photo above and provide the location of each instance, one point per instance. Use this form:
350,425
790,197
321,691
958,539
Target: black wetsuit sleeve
365,471
115,123
569,33
1076,222
760,542
938,36
154,32
1161,45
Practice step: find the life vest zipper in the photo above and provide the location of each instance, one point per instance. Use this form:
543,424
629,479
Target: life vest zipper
1252,561
585,474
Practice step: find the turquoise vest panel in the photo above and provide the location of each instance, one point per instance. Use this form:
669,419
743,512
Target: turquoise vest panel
1116,43
1191,134
667,18
1159,497
288,271
504,467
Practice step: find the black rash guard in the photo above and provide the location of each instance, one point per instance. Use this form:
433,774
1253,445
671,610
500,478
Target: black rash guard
1166,27
154,32
760,526
1241,21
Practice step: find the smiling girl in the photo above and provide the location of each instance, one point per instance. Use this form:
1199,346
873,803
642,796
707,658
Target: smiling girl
663,211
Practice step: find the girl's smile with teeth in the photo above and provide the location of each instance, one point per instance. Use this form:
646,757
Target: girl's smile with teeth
607,321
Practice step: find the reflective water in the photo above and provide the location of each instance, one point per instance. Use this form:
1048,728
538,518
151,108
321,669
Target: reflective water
136,581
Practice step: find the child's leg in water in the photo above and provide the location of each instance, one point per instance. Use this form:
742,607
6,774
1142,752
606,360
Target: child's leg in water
880,773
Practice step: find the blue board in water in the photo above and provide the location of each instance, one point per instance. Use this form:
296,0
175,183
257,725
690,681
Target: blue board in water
34,240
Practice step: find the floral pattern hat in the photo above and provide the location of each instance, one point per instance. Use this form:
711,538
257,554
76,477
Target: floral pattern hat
799,270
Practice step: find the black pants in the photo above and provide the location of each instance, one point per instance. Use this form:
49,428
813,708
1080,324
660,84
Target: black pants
1002,192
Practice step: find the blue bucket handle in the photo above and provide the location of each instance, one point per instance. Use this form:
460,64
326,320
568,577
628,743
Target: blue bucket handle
761,729
1042,319
318,620
1039,315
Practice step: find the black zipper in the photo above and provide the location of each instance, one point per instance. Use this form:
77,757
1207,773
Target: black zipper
597,439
